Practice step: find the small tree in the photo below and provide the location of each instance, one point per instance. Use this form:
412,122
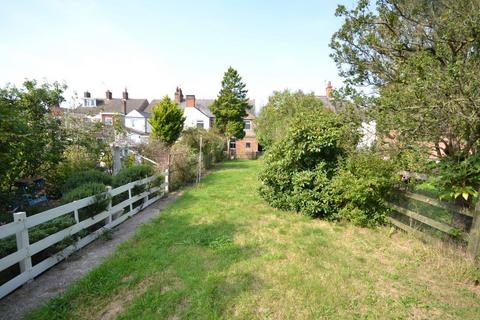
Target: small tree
32,139
274,119
167,121
231,106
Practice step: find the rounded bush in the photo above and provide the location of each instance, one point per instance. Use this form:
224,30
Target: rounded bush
78,178
99,204
133,173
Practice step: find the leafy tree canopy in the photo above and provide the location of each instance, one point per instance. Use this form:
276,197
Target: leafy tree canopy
31,138
422,57
275,117
422,61
231,105
166,121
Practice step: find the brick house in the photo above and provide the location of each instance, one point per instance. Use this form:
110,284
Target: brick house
198,115
105,109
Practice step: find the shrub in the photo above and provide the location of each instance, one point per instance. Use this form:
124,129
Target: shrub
298,168
76,179
133,173
99,204
212,144
184,165
8,245
359,189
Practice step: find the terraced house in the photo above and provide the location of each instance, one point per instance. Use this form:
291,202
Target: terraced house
134,114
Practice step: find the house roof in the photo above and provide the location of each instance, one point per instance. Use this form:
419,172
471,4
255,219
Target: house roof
327,103
203,105
114,106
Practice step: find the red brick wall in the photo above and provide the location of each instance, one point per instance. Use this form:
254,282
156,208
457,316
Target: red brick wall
242,151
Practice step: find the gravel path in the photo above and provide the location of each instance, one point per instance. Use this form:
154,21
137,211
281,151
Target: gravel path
58,278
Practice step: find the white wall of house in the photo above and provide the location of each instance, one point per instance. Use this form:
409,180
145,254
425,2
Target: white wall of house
368,132
194,116
136,121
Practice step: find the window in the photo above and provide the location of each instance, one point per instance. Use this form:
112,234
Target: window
233,144
248,124
248,145
200,124
109,121
90,102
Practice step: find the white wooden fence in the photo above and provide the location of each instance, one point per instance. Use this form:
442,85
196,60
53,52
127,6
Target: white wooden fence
112,217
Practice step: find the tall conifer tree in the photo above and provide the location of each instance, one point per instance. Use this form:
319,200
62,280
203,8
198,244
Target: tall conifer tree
231,106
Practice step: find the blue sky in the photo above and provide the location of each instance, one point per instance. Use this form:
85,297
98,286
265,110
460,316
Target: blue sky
152,46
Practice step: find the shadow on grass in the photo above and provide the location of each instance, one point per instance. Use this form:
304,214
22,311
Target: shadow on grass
174,266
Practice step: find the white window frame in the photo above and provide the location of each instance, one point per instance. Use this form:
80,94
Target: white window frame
249,122
200,122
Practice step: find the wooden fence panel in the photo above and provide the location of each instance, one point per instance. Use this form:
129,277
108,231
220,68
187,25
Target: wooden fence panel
472,237
111,216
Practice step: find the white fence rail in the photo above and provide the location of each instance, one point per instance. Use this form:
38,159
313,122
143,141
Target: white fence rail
113,216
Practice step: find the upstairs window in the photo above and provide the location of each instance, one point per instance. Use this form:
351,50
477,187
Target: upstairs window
200,124
90,102
233,144
248,145
248,124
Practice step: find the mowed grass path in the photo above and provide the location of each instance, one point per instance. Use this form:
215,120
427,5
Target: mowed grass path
220,252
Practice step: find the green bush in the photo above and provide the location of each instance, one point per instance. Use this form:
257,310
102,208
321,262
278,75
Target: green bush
359,189
78,178
133,173
99,204
299,167
184,166
8,245
212,144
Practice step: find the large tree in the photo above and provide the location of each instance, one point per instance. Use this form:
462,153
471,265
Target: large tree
421,59
231,106
32,139
166,121
275,117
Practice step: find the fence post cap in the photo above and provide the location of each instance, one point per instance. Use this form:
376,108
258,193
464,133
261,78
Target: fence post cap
19,215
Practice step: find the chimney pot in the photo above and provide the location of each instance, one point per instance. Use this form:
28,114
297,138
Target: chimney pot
86,94
329,89
178,95
108,95
190,100
125,94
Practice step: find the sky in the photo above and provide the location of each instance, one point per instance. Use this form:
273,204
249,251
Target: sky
150,47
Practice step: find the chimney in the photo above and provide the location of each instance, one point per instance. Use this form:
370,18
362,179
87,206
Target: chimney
124,102
328,89
108,95
178,95
86,94
190,100
125,94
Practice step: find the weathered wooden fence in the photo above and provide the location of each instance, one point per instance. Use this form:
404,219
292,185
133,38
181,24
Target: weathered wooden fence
414,220
112,216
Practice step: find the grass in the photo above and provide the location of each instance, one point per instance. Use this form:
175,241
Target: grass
220,252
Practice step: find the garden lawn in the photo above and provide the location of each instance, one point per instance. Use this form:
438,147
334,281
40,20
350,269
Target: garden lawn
220,252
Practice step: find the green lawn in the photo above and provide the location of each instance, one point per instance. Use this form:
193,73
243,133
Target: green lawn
220,252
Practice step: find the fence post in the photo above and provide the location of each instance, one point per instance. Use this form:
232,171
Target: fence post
167,180
109,206
474,235
130,198
23,243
